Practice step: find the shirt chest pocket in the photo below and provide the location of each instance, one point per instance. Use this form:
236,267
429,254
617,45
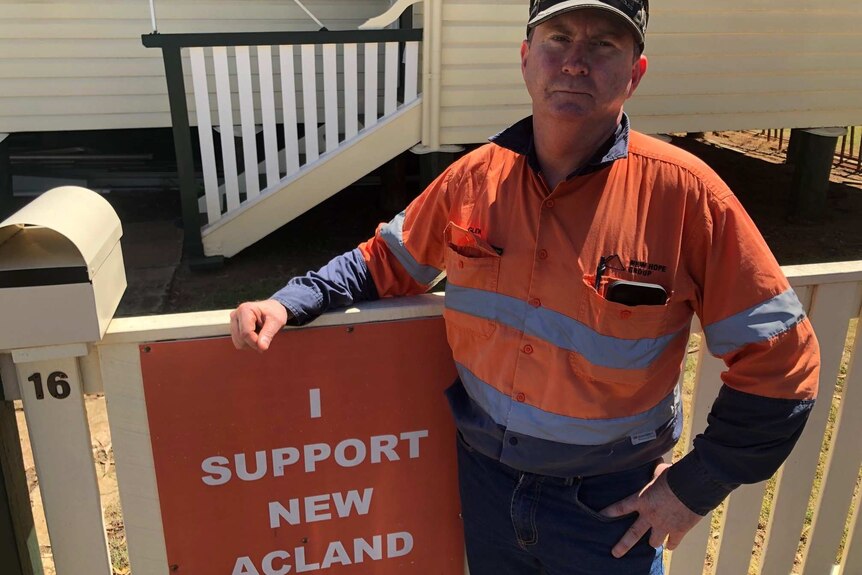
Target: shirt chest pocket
472,271
622,344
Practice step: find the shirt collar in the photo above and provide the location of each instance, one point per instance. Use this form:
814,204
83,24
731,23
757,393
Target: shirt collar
519,139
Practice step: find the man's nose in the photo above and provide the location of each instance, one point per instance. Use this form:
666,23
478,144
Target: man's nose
576,60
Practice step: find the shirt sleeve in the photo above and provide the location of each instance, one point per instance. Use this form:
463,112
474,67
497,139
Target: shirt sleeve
344,281
404,257
755,323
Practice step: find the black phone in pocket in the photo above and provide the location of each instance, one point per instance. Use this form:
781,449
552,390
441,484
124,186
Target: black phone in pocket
635,293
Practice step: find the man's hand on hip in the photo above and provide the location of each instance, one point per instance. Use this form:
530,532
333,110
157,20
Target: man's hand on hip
253,324
658,509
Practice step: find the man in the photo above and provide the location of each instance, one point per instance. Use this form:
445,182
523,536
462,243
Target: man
555,237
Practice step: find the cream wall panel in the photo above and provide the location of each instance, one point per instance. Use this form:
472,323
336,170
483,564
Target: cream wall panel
81,65
655,106
40,48
24,87
709,85
659,124
734,65
802,64
105,104
61,121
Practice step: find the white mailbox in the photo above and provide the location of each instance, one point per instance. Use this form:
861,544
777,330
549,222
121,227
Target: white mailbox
61,270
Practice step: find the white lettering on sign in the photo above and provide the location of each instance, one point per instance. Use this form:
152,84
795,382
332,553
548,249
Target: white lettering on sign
347,453
314,402
383,444
317,507
278,562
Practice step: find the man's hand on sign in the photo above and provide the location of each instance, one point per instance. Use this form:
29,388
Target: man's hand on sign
254,324
658,509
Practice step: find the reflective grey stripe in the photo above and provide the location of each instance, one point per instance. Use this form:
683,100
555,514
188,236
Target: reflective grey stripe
392,235
558,329
759,323
528,420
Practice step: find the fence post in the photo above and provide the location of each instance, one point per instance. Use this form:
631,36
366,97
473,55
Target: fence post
62,277
19,548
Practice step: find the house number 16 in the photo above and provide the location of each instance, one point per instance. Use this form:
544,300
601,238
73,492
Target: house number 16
58,387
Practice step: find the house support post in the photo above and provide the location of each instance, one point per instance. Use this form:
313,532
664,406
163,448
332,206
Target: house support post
813,156
7,201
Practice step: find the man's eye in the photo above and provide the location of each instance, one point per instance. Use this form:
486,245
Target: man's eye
559,38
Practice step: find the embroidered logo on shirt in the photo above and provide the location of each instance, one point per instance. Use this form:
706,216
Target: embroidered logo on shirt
639,438
645,269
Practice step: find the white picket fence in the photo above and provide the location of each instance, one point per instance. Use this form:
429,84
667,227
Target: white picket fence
831,293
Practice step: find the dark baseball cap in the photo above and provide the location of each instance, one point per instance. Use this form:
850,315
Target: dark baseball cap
634,12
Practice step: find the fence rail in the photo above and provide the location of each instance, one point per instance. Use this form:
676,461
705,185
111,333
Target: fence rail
807,517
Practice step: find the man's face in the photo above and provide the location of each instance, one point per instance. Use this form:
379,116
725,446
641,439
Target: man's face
581,65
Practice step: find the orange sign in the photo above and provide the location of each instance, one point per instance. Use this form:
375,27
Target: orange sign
334,451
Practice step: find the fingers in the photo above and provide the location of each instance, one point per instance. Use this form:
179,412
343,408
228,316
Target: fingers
632,536
621,507
254,324
673,540
271,326
243,326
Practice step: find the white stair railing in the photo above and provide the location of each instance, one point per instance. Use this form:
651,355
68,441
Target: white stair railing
255,104
287,85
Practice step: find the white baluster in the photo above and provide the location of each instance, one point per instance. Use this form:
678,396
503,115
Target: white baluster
330,96
288,110
390,93
205,134
309,102
351,92
246,113
267,110
370,84
225,116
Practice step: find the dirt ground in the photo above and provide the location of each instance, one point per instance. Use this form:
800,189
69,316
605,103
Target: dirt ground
753,167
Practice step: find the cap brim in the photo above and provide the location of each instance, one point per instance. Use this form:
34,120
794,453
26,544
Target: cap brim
563,7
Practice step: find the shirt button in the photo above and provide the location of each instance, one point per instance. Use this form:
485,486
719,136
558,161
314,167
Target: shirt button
528,349
625,314
513,441
535,302
543,254
549,204
520,398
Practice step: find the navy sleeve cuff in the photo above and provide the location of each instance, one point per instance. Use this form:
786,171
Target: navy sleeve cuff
692,484
344,281
747,439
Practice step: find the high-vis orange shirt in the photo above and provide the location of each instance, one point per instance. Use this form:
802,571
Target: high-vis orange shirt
576,384
555,378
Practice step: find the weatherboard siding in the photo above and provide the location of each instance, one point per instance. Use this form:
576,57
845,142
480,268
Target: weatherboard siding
713,66
80,65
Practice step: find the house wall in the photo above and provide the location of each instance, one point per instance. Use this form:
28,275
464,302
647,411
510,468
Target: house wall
80,64
718,66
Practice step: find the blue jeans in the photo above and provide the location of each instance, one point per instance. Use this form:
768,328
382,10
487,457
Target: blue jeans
518,523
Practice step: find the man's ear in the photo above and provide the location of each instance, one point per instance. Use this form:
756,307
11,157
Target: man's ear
639,69
525,50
